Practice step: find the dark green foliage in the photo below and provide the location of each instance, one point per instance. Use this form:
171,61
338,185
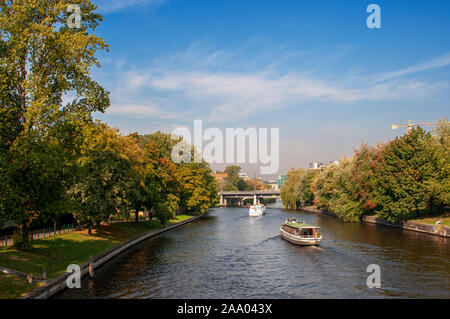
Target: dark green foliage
287,191
303,191
406,176
232,179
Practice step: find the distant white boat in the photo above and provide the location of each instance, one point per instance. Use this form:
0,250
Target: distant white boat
257,210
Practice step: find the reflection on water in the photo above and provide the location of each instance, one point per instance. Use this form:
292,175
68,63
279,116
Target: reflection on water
227,254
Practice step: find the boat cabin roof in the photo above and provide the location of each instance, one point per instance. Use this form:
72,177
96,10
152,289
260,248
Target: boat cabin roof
299,225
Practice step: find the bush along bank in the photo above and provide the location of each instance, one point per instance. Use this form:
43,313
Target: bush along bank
436,228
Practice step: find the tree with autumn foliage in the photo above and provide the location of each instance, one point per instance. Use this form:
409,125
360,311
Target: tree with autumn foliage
162,179
395,180
172,187
106,175
199,189
401,179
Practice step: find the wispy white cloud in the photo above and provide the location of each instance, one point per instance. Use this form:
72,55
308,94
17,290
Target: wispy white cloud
109,6
218,86
143,110
438,62
234,95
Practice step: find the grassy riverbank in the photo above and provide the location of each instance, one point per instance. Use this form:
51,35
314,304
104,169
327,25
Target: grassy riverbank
13,286
424,217
56,253
432,220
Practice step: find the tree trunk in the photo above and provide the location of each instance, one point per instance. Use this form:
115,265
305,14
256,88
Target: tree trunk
21,239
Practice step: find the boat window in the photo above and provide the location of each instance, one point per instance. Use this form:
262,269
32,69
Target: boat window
307,232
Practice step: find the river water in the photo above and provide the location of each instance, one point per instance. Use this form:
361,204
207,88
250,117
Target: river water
227,254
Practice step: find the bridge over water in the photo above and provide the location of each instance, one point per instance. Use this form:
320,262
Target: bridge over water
226,196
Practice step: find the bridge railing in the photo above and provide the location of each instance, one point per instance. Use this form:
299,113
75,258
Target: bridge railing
259,192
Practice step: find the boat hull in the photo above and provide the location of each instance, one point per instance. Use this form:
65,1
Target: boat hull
259,214
299,240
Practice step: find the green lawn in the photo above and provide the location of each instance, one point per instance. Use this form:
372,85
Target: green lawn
56,253
13,286
424,216
433,220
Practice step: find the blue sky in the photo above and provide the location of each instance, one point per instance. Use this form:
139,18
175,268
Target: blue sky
311,68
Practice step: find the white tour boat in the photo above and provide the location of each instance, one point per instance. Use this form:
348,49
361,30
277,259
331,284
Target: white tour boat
299,233
257,210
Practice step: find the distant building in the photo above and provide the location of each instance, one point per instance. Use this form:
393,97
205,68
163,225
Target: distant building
314,165
272,184
319,165
244,176
220,178
281,180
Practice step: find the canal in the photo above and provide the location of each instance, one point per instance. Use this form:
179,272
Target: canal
227,254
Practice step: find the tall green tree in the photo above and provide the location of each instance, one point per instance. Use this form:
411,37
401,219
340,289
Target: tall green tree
136,192
162,183
302,191
104,177
199,189
287,191
162,176
42,63
403,177
232,179
440,188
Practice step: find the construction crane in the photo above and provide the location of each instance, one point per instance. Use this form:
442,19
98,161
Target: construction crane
411,125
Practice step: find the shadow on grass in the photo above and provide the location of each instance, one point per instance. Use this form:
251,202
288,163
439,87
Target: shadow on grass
13,286
55,255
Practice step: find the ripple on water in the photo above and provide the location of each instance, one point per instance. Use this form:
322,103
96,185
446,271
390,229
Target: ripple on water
229,255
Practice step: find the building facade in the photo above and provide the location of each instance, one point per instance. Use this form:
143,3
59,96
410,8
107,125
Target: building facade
319,165
220,179
244,176
271,184
281,180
